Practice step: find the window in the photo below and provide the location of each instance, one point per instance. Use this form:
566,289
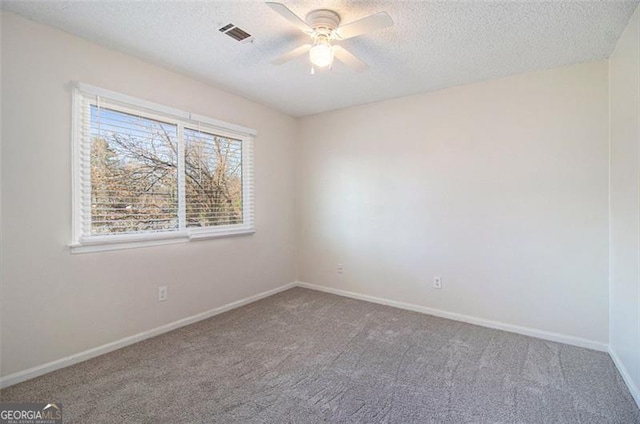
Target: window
148,174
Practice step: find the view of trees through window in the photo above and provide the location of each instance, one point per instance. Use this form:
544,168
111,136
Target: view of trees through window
134,175
213,183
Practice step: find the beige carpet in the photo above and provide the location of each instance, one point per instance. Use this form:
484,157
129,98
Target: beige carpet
308,357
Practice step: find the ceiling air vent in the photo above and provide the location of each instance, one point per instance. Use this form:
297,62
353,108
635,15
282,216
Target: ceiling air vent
236,33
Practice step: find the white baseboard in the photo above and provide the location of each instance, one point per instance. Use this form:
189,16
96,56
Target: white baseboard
541,334
39,370
635,392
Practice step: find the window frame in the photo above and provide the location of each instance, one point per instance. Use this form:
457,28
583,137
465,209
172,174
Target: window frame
84,243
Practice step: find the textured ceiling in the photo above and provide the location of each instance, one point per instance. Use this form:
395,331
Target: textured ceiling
433,45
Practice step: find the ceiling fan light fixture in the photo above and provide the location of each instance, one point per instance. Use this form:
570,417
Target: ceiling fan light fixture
321,54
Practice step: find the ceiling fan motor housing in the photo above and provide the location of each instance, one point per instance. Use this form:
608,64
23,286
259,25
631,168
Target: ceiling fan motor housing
323,21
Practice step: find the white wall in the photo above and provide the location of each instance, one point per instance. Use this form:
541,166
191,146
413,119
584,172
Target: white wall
55,304
499,187
624,71
1,245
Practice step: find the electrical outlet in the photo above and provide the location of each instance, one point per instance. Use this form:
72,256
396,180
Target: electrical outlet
437,282
162,293
340,269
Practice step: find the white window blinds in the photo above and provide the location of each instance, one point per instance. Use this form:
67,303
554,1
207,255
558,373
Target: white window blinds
213,179
147,171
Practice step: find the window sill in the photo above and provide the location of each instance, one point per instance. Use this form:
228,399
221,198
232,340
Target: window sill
133,242
204,235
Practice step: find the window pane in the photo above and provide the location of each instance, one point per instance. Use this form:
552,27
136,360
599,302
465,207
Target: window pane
133,173
213,180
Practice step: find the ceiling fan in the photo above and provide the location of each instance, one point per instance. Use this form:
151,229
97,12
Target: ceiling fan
323,26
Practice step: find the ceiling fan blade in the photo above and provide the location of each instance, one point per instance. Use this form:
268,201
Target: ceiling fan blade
286,13
292,54
369,24
349,59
